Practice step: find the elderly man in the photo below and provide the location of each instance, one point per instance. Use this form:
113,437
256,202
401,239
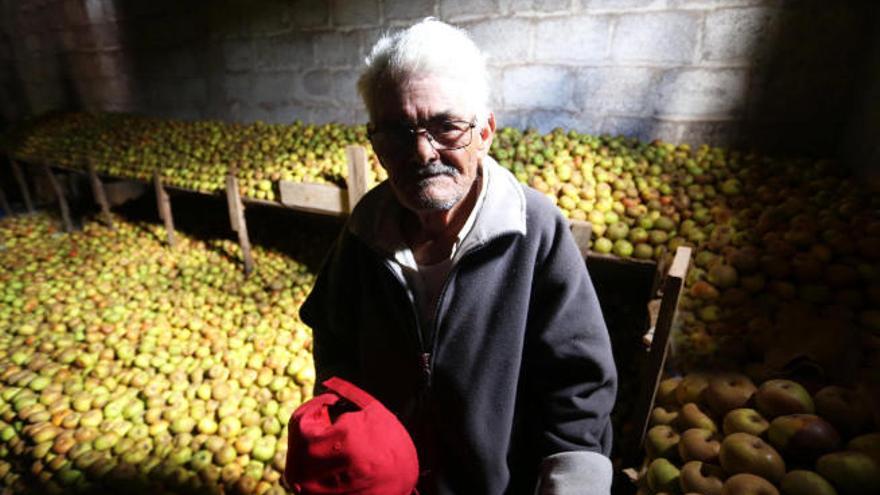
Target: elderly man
457,297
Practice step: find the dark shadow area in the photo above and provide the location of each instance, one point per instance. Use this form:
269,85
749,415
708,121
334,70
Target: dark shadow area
301,236
804,76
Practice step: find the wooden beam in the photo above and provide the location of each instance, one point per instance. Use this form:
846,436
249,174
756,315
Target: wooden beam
164,204
100,195
238,222
22,185
4,203
672,286
59,195
315,198
582,231
357,174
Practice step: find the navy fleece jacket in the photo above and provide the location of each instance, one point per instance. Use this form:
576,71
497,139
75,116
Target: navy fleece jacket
514,385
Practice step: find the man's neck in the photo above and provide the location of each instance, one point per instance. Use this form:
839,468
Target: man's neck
431,234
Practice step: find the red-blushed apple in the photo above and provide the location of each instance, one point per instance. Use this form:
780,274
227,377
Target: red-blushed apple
748,484
780,397
701,477
803,437
745,420
851,472
663,476
844,408
697,444
744,453
691,388
728,391
802,482
661,441
691,416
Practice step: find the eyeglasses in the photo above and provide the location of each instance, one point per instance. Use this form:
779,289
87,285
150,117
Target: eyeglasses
443,135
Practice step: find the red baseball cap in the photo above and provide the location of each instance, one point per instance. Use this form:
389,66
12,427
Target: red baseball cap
345,441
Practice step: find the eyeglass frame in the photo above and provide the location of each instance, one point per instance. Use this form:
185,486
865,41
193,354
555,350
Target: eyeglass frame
414,131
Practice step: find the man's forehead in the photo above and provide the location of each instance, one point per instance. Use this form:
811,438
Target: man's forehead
422,98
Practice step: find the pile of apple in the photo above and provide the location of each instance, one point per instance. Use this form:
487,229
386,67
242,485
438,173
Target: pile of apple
772,236
719,433
128,366
194,155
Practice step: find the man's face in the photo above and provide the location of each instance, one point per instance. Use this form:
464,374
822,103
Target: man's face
423,178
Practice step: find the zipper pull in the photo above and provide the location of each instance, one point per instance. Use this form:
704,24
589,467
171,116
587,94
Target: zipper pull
425,364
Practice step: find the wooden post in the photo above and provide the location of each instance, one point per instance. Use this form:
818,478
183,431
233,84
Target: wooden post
164,204
582,231
237,221
672,286
59,194
4,203
357,174
100,195
22,186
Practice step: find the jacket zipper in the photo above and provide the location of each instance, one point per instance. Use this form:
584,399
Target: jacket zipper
426,361
424,355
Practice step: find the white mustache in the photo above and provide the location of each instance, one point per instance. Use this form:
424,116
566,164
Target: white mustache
432,169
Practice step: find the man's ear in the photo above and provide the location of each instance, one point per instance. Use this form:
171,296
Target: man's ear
487,132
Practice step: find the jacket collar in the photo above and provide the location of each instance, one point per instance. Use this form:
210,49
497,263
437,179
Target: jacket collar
375,219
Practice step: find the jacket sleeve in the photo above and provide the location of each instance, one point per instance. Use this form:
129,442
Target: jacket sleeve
332,346
571,370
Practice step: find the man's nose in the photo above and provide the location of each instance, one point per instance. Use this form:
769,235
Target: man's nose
424,149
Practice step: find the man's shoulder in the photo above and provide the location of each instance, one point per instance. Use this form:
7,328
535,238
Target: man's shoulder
541,213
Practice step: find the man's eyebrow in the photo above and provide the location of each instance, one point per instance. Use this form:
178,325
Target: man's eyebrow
444,115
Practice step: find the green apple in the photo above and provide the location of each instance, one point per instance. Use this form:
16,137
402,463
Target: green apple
744,453
851,472
663,416
663,476
802,482
868,443
661,441
691,416
666,392
748,484
745,420
691,388
780,397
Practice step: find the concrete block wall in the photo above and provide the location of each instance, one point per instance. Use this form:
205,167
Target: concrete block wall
777,74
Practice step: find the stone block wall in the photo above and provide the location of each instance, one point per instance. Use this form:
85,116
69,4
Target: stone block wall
776,74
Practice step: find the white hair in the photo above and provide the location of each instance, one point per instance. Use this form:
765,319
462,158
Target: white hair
430,47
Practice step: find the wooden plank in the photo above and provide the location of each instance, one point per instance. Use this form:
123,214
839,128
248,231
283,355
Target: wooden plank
357,174
582,231
164,204
236,216
59,195
672,286
233,201
316,198
100,195
22,186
